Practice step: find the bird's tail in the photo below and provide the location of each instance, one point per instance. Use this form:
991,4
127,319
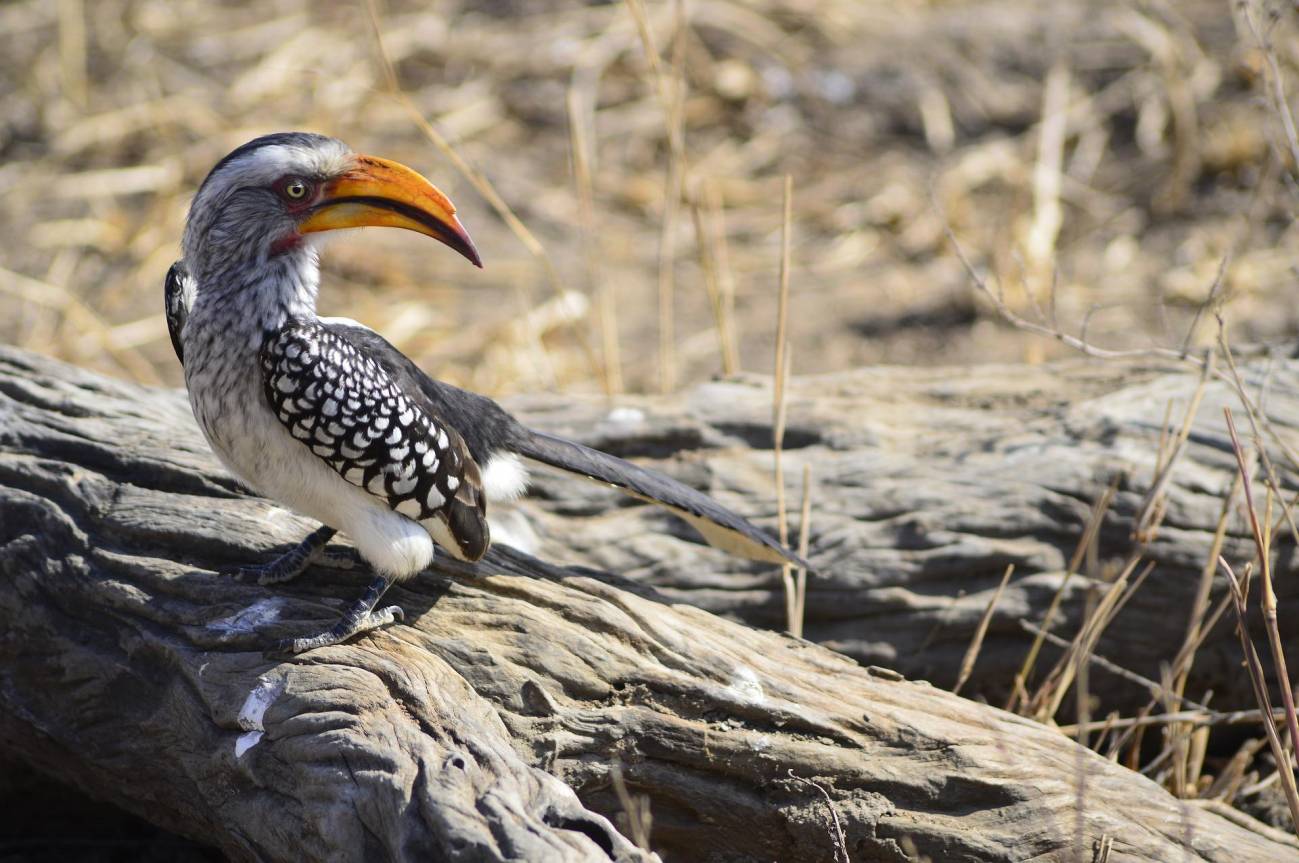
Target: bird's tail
718,525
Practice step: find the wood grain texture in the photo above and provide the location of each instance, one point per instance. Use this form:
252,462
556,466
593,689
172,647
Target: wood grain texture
484,727
927,484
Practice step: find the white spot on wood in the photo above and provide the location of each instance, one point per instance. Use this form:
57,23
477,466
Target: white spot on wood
625,416
249,619
246,741
744,686
253,711
259,698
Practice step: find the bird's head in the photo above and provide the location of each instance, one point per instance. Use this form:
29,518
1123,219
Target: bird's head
276,194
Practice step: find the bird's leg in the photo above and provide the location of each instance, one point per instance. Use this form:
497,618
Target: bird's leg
361,617
292,563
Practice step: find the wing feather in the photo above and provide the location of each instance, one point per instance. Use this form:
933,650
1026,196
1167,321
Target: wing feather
493,431
340,402
177,294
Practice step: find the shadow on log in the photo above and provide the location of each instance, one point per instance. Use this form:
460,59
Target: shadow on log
484,727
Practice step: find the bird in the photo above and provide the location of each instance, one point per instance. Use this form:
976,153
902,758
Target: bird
324,415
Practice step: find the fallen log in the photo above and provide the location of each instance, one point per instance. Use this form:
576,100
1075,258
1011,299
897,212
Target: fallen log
927,484
130,668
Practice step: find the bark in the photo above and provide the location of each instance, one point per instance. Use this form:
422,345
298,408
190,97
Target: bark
927,483
487,725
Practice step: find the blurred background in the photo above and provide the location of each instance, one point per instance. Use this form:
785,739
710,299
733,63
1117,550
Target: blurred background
1098,160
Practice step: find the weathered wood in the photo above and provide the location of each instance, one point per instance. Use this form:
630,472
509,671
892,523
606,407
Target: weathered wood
127,667
928,482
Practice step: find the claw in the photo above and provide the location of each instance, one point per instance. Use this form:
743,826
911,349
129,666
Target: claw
329,638
361,617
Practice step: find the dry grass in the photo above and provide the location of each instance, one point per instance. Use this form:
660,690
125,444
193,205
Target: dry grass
1183,762
619,135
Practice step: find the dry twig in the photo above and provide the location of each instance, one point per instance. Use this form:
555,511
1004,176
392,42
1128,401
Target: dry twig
976,642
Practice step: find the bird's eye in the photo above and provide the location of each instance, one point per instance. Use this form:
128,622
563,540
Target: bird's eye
294,189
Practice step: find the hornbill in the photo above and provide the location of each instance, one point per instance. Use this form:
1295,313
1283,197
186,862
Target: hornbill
326,416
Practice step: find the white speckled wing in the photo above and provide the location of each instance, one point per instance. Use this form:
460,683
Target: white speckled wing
345,407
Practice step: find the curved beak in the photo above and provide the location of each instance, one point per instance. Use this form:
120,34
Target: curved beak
381,193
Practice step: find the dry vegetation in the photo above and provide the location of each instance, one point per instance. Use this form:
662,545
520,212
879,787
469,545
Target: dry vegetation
1118,150
1107,169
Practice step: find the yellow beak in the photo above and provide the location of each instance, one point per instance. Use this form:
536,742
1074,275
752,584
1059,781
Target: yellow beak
385,194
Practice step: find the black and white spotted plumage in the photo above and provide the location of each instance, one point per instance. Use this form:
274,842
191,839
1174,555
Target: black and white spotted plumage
341,403
325,416
490,432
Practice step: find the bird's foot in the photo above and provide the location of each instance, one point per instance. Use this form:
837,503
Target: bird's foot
361,617
292,563
336,558
343,630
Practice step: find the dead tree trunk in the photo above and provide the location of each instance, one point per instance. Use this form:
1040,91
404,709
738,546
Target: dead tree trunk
927,484
128,667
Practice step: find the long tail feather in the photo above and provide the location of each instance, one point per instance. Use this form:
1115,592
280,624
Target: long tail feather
718,525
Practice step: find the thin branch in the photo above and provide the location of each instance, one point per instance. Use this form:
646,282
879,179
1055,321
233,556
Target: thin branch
980,632
1203,718
840,842
1155,689
1079,344
1257,680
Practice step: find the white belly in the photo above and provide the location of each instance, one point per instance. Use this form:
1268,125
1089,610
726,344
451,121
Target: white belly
226,395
